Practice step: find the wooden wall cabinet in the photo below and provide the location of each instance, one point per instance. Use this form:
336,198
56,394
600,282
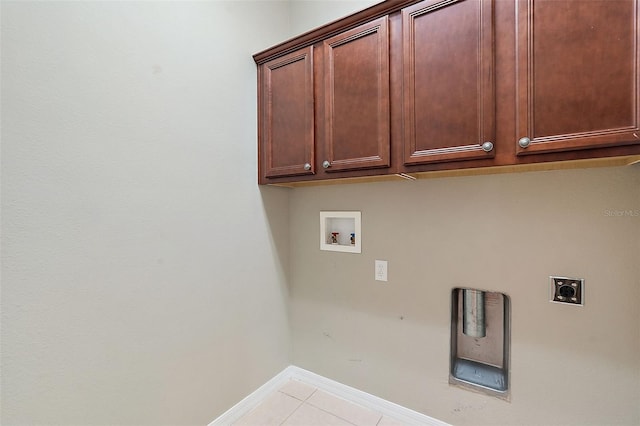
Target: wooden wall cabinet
413,87
577,75
356,98
325,110
287,140
448,75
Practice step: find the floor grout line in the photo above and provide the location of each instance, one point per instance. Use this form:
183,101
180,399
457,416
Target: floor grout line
329,412
302,402
309,383
299,399
347,401
306,402
312,393
291,414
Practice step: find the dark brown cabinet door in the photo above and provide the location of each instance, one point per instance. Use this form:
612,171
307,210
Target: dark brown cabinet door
356,99
448,73
286,113
577,74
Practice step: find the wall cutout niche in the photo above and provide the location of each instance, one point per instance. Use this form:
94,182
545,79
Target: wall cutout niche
341,231
480,340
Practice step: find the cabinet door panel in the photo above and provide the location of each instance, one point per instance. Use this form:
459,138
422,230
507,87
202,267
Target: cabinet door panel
357,124
449,96
577,71
287,115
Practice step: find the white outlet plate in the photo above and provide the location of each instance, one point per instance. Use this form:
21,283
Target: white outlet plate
381,270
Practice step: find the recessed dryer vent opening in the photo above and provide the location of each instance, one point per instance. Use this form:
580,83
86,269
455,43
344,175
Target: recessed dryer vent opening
480,338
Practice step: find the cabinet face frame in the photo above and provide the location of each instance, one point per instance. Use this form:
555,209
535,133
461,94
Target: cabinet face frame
468,149
525,96
266,141
381,99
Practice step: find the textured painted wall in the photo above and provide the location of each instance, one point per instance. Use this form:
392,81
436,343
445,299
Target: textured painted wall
505,233
310,14
143,271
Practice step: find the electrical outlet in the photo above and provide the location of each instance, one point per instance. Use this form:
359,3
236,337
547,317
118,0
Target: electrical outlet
381,270
567,290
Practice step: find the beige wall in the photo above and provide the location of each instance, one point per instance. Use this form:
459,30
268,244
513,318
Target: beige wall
143,270
310,14
506,233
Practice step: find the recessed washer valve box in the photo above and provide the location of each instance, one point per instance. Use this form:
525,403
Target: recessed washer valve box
567,290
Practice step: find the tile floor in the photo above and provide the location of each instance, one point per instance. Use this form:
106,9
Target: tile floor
298,404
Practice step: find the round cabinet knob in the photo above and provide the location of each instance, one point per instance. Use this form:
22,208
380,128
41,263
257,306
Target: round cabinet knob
326,164
307,166
524,142
487,146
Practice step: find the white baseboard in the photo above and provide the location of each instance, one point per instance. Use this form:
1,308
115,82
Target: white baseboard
252,400
387,408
